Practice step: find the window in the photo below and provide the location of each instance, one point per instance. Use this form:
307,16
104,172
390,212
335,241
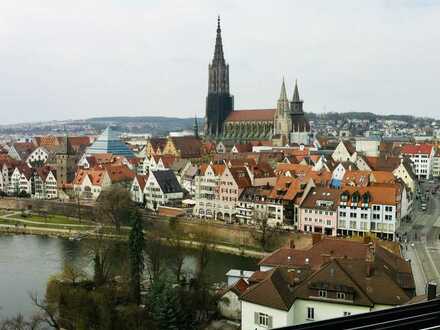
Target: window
310,313
263,320
376,216
323,293
342,214
364,215
388,208
340,295
353,215
376,208
388,217
347,313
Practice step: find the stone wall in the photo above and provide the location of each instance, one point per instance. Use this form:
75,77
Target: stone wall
193,230
53,207
232,235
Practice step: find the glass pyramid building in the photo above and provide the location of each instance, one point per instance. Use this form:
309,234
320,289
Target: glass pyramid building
109,142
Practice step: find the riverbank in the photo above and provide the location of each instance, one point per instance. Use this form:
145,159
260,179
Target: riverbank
11,223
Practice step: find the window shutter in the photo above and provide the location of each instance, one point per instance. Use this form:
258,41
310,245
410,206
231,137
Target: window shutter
269,324
256,318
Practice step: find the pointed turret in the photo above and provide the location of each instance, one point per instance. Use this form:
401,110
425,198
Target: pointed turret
218,51
283,93
196,127
297,104
296,93
283,101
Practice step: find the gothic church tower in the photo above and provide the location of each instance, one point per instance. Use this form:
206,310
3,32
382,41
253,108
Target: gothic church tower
282,122
219,102
300,127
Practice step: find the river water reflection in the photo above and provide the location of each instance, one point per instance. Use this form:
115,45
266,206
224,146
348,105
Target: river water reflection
27,262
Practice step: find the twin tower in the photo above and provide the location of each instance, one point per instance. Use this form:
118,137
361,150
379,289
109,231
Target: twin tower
285,124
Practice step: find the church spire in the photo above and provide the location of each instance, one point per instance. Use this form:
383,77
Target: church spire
196,127
283,93
218,52
296,106
296,93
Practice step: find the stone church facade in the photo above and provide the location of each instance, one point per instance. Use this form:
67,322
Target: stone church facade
286,124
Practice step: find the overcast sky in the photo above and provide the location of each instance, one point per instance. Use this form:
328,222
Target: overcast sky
63,59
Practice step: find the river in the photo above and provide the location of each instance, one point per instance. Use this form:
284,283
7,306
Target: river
27,262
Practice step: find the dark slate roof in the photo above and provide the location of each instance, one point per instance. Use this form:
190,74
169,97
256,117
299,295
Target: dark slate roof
167,181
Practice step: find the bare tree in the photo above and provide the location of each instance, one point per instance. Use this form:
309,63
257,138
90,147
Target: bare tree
18,322
72,275
101,250
204,253
47,315
177,254
154,250
263,232
114,205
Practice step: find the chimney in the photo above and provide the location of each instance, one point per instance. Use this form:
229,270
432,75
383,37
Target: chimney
431,289
369,259
316,238
369,268
291,243
325,258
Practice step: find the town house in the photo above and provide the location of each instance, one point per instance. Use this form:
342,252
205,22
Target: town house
319,211
206,190
162,189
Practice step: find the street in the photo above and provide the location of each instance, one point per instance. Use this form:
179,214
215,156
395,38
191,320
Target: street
420,240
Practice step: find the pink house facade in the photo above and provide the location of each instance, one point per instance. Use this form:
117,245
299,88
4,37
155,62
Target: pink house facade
318,211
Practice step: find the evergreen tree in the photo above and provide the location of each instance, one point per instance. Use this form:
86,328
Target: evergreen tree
136,246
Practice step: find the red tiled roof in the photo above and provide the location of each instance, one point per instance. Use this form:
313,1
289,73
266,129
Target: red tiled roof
142,180
243,147
356,178
251,115
336,248
241,176
412,149
383,177
119,173
95,176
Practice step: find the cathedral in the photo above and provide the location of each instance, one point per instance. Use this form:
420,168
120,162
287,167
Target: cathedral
286,124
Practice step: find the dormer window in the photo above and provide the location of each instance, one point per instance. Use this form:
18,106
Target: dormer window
340,295
355,198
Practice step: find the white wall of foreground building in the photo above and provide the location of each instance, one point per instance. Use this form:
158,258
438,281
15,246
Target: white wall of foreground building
324,310
279,318
299,313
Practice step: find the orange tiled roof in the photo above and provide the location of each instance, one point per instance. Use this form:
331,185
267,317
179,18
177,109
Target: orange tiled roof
47,141
292,168
287,188
119,173
383,177
95,175
356,178
384,194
